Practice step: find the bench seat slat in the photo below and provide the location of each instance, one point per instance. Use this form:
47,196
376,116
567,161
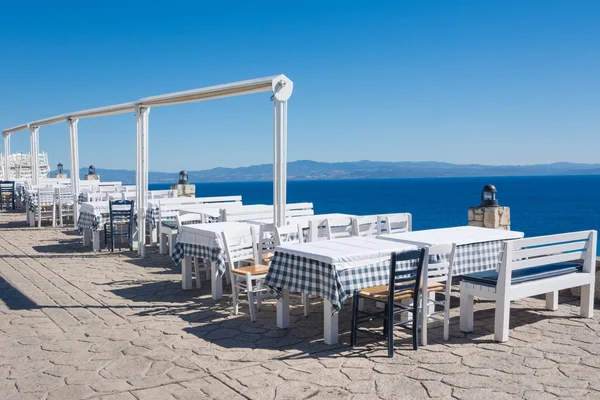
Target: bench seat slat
526,274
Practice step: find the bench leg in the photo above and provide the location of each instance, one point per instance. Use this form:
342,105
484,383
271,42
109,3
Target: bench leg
466,312
502,320
172,241
163,243
283,310
330,325
587,301
217,281
552,301
186,273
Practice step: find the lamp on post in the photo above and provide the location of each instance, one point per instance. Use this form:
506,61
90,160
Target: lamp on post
92,175
59,172
183,178
488,196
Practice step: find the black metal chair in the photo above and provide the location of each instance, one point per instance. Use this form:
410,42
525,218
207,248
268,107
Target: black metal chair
7,194
403,284
121,216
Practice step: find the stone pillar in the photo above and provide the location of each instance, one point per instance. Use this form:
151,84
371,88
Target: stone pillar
184,190
60,175
495,217
92,177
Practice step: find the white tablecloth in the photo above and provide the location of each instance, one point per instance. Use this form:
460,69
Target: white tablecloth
461,235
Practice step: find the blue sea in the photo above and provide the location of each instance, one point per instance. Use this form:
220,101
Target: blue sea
539,205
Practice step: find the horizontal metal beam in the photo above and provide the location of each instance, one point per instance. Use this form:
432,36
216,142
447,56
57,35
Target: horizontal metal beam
280,85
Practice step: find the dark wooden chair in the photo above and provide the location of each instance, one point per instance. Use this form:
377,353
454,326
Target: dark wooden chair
406,269
121,222
7,194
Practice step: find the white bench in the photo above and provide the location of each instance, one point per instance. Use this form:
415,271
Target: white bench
263,212
529,267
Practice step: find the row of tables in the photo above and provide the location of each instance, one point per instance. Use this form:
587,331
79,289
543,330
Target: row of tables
333,269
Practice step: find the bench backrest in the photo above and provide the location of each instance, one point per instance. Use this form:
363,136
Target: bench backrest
171,210
546,250
202,200
262,212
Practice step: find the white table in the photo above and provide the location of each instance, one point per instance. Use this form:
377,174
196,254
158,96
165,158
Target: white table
461,235
352,263
204,241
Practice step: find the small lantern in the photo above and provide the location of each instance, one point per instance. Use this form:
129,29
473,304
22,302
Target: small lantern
488,196
183,178
59,167
92,170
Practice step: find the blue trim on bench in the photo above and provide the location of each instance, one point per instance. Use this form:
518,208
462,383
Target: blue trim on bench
169,224
525,274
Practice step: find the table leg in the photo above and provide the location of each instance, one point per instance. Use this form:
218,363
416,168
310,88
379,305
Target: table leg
162,243
217,282
96,240
86,236
330,325
154,235
283,310
186,273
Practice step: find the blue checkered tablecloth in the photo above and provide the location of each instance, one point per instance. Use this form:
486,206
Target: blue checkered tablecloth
303,274
203,252
91,221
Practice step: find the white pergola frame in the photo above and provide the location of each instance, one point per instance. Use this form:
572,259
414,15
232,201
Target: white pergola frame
280,85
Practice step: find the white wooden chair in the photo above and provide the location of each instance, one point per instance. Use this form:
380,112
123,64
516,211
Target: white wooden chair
369,225
46,206
339,227
529,267
64,204
396,223
198,264
247,280
439,261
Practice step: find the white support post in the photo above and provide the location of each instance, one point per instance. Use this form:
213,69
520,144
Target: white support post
142,176
279,160
6,157
74,142
35,154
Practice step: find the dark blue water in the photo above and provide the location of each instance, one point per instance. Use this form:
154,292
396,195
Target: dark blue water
539,205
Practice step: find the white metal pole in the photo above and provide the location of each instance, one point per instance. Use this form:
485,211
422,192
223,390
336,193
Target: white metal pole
6,157
73,141
35,158
142,176
275,164
283,160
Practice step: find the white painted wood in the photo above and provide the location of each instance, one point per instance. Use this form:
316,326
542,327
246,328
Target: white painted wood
283,310
258,212
552,301
186,273
340,227
217,282
330,325
545,250
96,240
395,223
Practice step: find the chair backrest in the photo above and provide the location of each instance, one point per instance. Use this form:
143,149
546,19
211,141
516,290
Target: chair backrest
91,197
396,223
45,196
237,200
264,212
288,234
188,219
7,187
162,194
64,196
121,210
339,227
406,270
439,261
240,246
369,225
546,250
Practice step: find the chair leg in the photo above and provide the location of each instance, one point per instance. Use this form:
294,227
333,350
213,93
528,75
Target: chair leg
354,326
447,317
385,321
162,243
390,327
234,295
53,216
250,290
415,324
501,319
424,316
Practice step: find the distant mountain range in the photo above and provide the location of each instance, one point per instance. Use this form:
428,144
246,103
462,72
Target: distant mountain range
313,170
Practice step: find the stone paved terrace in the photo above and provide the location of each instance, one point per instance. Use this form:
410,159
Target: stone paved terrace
78,325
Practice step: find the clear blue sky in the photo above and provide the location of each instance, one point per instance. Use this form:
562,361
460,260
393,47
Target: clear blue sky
497,82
